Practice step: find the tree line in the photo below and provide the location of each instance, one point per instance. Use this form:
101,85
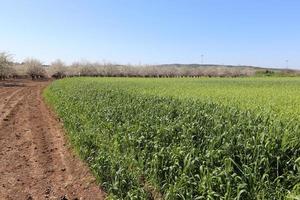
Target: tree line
34,69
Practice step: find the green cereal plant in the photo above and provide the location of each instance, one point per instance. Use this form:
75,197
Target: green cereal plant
185,138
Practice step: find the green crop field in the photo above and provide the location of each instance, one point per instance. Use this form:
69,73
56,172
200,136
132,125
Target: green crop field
185,138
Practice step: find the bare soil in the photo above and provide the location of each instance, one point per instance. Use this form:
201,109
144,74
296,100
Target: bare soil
36,161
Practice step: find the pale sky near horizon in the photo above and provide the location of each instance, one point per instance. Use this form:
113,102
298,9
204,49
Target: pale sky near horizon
257,32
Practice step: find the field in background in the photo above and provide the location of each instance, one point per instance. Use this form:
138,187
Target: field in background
185,138
275,96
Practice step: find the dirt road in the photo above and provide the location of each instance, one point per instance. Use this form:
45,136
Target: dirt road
36,161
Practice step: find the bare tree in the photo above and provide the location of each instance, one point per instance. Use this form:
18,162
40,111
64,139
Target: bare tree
5,65
57,69
34,69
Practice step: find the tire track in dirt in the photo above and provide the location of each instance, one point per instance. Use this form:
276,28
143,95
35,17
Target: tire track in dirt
36,160
9,101
4,92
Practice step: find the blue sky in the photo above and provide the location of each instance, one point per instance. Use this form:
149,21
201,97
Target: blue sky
254,32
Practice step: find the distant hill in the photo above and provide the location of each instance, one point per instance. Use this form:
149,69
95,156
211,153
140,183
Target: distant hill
206,65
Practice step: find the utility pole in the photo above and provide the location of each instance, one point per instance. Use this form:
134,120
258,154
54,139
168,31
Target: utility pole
287,63
202,58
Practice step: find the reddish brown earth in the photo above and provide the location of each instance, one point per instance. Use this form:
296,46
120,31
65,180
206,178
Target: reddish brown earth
36,161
